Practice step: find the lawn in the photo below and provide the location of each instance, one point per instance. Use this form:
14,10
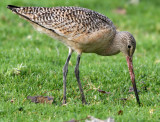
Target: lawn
31,65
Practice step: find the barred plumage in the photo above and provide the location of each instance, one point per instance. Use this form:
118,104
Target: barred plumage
81,30
49,16
72,24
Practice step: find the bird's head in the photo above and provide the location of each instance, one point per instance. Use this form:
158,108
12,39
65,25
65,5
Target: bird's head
127,47
128,43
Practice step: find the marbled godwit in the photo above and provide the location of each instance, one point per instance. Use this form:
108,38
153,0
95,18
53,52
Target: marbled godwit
83,31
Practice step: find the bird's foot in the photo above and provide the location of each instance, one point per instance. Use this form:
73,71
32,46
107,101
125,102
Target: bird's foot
64,102
84,102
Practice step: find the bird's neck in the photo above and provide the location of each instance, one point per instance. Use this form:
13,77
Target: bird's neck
115,45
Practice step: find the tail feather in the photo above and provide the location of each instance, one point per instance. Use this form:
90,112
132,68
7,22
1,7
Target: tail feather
12,7
20,11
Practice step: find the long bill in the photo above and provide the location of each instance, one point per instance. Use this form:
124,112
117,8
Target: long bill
131,72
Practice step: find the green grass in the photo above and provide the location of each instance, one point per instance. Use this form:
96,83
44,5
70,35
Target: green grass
31,64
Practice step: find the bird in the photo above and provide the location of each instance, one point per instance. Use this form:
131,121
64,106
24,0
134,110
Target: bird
83,31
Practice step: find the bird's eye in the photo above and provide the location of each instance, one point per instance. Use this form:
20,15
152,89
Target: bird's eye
129,46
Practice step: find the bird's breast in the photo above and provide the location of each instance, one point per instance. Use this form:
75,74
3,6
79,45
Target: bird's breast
95,42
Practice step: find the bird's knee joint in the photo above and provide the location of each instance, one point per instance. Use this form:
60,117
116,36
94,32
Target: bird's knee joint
65,71
76,72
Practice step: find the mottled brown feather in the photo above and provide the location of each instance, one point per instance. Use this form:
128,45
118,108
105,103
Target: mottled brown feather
72,24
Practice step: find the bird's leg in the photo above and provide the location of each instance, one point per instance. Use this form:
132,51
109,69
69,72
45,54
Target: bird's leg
78,79
65,71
